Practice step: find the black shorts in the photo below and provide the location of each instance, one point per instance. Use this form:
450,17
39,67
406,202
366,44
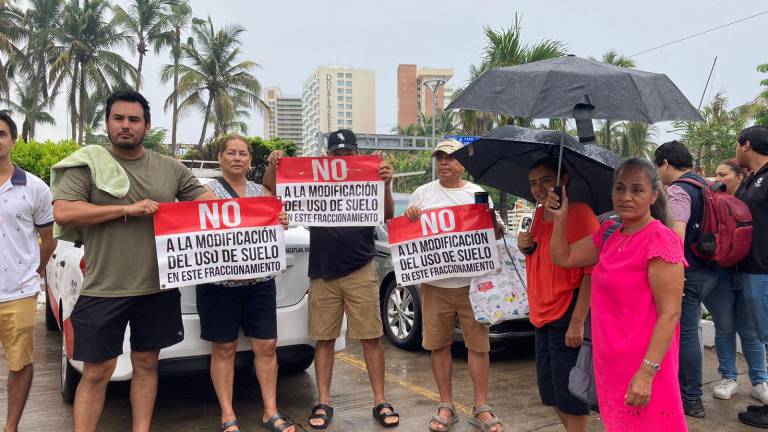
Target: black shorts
224,310
554,361
99,324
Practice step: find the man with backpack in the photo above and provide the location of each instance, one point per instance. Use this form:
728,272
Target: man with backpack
752,154
687,205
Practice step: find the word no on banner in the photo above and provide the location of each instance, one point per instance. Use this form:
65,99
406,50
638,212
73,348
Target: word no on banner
211,241
332,191
457,241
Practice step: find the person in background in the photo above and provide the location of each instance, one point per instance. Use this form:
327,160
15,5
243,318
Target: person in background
342,280
118,291
26,225
558,297
225,307
637,285
729,312
445,301
686,205
752,154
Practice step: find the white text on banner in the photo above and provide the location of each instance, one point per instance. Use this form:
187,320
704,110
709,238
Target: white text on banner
457,241
211,241
331,191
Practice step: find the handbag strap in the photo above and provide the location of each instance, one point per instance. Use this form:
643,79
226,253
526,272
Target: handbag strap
228,187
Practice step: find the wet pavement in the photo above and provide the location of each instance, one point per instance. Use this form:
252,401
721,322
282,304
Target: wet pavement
189,403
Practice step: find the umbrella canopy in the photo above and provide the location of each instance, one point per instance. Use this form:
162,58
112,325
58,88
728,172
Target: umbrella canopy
502,158
552,88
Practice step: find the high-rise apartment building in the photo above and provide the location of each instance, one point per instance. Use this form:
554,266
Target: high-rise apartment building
337,97
284,117
414,96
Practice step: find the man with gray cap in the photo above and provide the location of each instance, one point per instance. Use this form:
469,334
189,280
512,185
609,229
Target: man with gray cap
342,278
444,300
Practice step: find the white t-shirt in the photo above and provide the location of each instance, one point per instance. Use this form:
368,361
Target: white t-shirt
25,204
433,195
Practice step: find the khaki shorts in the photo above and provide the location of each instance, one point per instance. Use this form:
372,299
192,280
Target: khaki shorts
357,294
17,327
439,309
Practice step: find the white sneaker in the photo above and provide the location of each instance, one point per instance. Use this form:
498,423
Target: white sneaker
760,392
728,387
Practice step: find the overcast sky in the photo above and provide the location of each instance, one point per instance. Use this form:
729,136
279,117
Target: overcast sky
289,39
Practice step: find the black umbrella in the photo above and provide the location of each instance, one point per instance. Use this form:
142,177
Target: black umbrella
502,158
552,88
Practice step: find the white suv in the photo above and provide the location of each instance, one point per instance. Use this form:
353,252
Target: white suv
295,350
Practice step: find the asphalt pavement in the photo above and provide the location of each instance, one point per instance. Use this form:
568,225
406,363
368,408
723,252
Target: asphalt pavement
189,403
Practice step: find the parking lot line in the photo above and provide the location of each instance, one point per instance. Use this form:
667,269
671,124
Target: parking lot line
359,363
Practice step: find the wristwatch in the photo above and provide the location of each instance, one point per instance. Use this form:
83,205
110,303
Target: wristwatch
655,366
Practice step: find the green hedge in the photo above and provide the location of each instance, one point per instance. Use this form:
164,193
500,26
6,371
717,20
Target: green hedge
38,157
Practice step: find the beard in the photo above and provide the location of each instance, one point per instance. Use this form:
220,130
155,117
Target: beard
126,144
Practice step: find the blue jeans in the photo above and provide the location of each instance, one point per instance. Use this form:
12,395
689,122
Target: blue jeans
729,312
755,288
698,284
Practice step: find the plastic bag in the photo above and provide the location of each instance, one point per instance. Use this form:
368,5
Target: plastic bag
501,295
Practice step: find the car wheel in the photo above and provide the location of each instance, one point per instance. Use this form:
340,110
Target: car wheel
297,366
402,316
69,375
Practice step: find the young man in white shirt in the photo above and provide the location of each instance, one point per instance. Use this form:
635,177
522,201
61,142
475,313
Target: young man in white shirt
442,301
26,212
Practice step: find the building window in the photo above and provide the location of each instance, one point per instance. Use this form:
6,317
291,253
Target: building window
340,91
349,122
340,75
349,83
341,122
349,91
349,99
349,75
349,114
349,106
340,98
341,114
340,83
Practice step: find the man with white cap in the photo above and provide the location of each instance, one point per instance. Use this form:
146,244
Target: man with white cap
444,300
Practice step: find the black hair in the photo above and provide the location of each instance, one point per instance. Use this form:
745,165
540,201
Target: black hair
757,136
675,153
659,209
234,137
128,96
549,163
5,117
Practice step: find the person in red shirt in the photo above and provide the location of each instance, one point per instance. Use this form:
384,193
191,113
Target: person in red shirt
558,297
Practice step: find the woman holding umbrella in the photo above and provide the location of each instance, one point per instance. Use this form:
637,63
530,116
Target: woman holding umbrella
637,286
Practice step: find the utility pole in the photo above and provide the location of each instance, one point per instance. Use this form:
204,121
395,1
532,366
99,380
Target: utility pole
434,85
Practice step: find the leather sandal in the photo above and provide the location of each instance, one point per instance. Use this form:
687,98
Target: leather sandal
485,426
381,417
272,426
446,424
326,418
226,425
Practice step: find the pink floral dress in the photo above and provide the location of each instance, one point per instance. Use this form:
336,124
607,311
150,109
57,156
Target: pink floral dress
623,318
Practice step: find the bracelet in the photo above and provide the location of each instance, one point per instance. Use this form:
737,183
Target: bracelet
125,213
655,366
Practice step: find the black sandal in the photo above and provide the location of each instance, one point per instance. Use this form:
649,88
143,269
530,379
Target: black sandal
271,425
382,416
326,418
229,424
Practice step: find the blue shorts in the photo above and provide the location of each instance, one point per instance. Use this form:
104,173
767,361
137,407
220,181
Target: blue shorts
224,310
554,361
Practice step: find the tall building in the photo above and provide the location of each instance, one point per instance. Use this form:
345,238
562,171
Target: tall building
337,97
414,97
284,117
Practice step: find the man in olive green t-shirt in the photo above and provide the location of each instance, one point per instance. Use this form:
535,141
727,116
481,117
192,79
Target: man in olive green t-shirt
121,284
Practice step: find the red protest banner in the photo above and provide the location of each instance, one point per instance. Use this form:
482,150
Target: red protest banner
210,241
332,191
457,241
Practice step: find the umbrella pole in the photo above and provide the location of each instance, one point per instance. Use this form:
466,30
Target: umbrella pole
559,187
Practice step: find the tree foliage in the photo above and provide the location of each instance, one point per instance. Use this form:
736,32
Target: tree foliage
39,157
260,149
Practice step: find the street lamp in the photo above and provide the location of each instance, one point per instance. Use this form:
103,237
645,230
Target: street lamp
434,85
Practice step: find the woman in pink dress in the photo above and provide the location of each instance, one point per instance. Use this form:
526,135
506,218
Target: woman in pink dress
637,287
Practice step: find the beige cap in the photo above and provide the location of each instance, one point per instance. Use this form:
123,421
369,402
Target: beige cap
448,146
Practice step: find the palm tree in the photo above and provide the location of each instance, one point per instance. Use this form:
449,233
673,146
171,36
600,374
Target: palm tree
148,21
636,139
213,81
11,32
31,107
86,60
613,58
180,13
40,21
506,48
